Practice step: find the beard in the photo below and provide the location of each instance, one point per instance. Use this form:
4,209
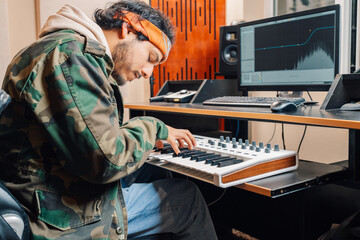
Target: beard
118,56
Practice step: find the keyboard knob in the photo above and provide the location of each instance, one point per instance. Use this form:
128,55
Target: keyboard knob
276,148
243,146
253,143
267,150
209,141
261,145
240,141
223,145
233,140
268,145
247,142
221,138
212,143
257,149
227,139
219,144
234,145
252,147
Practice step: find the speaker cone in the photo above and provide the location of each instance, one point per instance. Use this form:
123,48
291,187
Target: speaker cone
230,54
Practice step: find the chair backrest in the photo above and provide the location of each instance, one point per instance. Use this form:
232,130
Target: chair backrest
14,224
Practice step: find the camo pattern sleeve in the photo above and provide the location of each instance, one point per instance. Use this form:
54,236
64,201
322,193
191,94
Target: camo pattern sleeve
75,99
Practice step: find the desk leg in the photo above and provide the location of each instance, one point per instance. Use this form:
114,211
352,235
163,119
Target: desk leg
354,155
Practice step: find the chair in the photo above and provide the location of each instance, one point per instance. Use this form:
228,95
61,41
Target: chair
14,224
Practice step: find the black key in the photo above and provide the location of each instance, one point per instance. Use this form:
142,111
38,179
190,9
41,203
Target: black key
214,162
167,150
228,163
206,157
209,161
193,157
200,159
182,153
189,154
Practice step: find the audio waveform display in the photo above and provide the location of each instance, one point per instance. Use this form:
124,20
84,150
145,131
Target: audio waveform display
296,45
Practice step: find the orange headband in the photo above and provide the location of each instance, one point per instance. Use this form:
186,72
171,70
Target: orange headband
153,33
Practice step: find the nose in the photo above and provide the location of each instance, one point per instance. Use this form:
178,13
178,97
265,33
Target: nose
147,70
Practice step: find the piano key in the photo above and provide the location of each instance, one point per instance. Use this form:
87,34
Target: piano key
209,161
215,161
193,157
228,163
206,157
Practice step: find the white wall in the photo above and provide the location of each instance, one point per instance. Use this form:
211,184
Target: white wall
4,39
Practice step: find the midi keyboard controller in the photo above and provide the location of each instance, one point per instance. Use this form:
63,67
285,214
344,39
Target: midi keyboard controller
226,162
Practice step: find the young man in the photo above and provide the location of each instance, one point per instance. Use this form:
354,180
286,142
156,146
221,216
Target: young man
64,148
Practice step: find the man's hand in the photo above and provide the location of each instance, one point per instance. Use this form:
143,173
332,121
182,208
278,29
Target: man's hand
176,139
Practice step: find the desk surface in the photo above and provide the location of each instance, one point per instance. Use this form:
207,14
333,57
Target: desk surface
309,115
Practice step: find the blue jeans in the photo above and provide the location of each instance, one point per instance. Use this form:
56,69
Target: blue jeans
157,205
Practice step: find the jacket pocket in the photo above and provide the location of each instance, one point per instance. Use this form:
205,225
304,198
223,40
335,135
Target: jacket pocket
65,212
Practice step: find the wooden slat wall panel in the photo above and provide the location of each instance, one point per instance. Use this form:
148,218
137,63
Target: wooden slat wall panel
196,51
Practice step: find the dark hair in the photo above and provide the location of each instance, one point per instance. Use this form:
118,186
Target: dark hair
104,17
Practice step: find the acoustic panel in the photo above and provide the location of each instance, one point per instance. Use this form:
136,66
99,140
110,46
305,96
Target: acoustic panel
196,50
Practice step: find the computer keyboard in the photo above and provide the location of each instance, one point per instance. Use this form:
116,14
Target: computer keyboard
250,101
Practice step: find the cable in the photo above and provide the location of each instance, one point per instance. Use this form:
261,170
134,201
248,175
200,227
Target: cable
302,138
272,134
283,135
222,194
309,95
237,130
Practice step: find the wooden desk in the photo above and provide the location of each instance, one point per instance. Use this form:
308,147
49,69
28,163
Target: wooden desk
309,173
280,215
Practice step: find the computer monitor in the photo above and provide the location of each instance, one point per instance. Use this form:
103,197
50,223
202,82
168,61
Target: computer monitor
293,52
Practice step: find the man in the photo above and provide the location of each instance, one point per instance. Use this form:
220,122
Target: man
64,148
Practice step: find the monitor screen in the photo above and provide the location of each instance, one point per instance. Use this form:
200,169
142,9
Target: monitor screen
298,51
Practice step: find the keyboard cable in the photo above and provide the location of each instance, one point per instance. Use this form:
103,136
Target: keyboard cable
218,199
273,134
283,135
302,138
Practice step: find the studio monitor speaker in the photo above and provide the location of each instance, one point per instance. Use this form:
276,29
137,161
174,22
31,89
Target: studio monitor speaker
228,51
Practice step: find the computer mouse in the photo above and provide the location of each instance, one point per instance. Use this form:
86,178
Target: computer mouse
283,106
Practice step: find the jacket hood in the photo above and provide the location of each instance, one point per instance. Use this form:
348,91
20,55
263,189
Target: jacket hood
70,17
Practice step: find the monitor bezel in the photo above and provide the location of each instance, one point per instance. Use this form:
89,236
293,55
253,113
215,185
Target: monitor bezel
294,87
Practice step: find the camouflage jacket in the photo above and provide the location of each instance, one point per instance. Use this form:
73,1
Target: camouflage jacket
63,147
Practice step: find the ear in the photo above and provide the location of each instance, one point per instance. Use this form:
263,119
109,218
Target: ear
125,31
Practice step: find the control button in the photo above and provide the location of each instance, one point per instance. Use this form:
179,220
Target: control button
234,145
247,142
267,150
243,146
221,138
240,141
268,145
219,143
252,147
261,145
119,230
276,148
227,139
233,140
212,143
223,145
253,143
257,149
